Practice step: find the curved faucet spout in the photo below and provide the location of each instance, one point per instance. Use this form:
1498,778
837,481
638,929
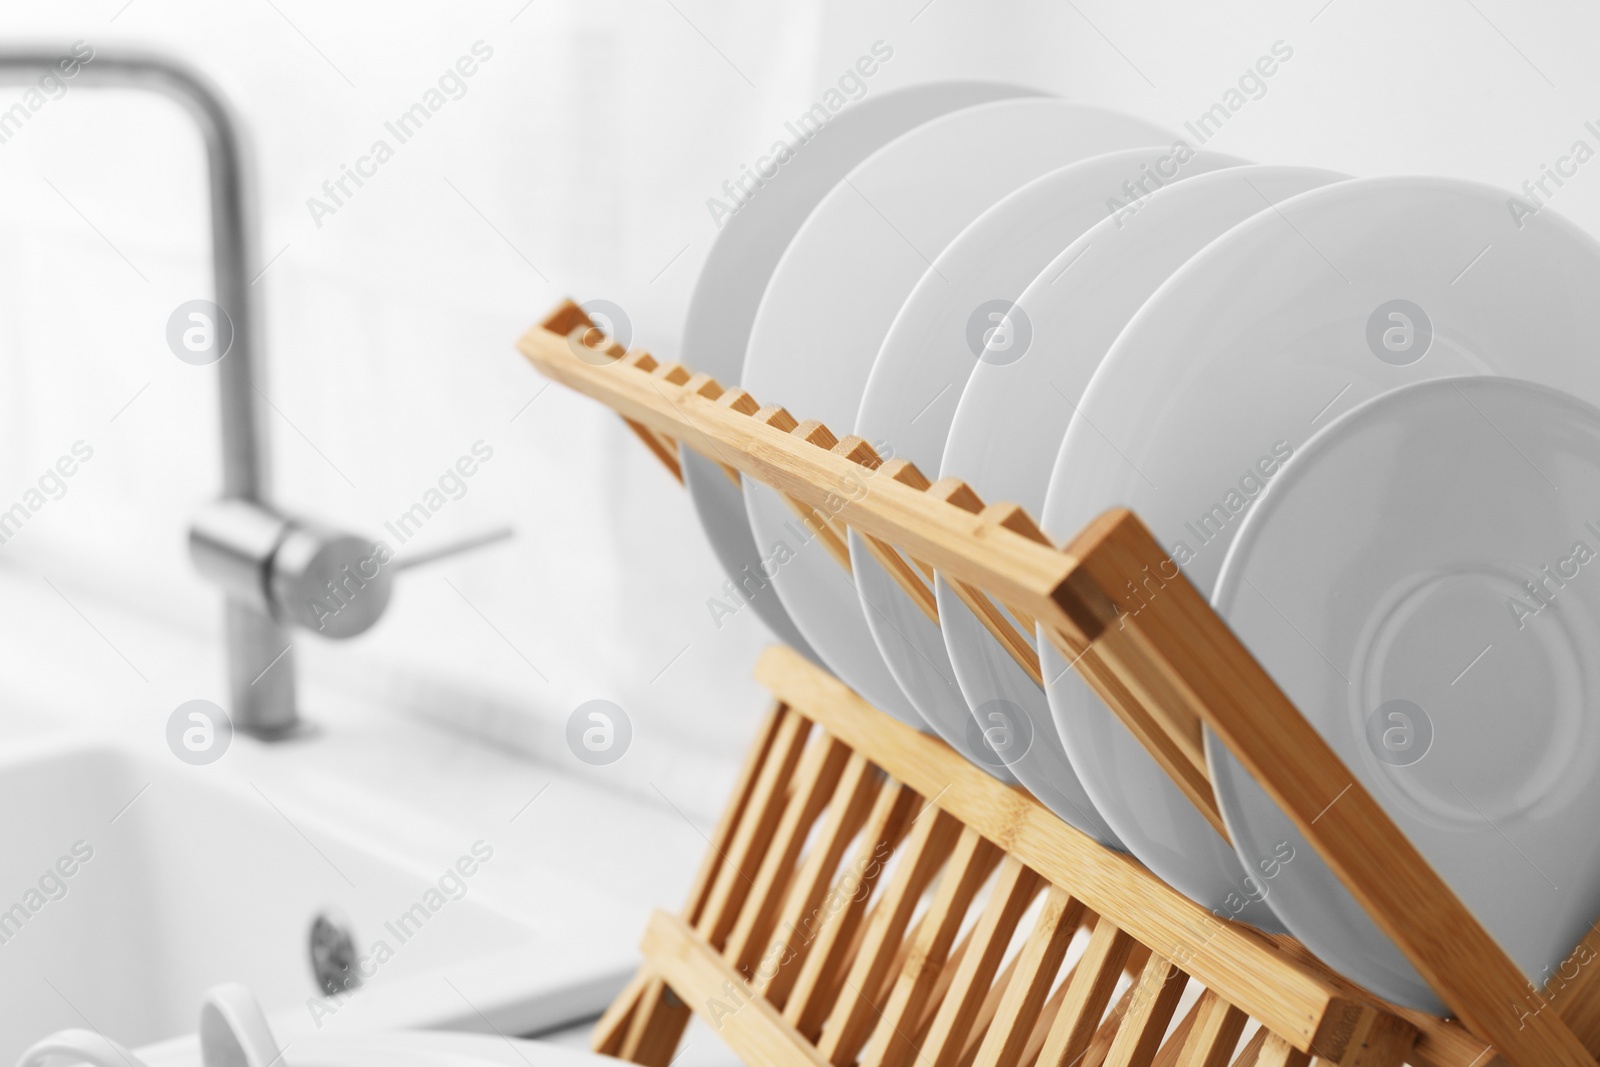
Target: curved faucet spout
232,239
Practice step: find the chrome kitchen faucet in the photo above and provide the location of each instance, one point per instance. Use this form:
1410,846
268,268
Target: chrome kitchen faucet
275,570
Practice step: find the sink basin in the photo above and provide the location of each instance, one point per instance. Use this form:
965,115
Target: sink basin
130,883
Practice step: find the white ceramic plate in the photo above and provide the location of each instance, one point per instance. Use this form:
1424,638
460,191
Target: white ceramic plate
838,287
926,359
1016,407
1269,334
747,247
1402,544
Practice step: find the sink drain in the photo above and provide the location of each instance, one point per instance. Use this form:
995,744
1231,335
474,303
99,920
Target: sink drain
333,955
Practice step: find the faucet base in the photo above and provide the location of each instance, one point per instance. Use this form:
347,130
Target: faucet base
299,730
260,674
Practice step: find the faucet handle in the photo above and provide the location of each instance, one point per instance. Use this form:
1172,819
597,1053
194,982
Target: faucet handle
332,583
293,571
470,543
338,585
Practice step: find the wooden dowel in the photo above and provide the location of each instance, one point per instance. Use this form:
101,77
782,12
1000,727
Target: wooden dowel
1215,1034
1014,890
823,970
970,863
933,835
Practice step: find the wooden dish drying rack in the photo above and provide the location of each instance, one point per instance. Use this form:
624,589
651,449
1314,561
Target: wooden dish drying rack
802,943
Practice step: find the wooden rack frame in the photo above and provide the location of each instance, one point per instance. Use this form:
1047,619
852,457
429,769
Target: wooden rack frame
867,986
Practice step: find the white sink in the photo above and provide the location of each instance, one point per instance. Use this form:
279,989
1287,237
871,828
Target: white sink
181,879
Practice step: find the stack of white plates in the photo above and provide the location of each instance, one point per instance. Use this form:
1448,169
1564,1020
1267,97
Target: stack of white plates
1361,415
